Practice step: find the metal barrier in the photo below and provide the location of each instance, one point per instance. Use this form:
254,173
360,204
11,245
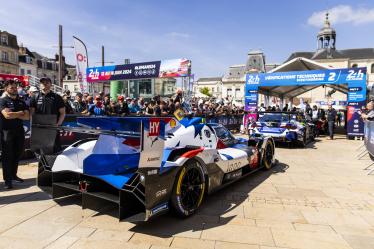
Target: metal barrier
369,137
368,143
231,122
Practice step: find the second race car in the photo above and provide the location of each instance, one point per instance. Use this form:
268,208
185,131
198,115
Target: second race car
290,127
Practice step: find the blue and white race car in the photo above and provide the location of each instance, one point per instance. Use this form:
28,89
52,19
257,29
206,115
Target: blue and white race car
291,127
147,165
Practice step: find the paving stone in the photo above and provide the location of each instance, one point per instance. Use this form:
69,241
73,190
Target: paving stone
192,243
274,214
354,230
111,235
275,224
19,243
238,221
308,240
239,234
230,245
359,242
86,243
38,231
333,217
313,228
63,242
81,232
139,238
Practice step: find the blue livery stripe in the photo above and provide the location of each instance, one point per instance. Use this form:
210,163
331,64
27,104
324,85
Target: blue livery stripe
227,156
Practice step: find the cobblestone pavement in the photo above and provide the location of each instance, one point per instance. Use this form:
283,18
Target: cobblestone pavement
318,197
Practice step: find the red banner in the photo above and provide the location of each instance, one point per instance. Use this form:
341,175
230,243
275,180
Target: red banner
23,79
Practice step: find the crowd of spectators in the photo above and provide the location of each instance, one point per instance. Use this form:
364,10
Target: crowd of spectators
103,104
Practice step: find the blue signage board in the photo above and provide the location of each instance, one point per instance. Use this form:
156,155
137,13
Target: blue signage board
355,78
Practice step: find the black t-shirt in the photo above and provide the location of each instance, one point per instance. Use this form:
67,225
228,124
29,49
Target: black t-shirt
122,109
49,103
14,105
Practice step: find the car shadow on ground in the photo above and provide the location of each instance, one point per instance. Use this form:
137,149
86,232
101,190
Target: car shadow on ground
218,209
309,145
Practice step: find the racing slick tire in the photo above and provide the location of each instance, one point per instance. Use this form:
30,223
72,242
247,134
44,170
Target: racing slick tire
267,157
189,188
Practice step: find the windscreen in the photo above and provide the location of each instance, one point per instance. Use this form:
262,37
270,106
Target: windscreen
274,117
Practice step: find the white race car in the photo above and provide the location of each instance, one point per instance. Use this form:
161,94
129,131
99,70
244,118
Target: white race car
147,165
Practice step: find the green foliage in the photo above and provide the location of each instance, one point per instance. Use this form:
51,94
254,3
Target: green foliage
205,91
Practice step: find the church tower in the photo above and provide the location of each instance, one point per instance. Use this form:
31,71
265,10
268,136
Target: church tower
326,37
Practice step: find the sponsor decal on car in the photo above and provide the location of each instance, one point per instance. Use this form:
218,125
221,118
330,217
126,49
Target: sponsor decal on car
159,208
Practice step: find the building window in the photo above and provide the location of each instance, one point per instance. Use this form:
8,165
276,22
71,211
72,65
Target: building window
354,65
22,71
28,59
4,56
372,68
4,39
229,92
12,59
145,87
29,72
76,88
66,87
237,92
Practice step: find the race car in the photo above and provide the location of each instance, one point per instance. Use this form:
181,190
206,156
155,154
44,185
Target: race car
290,127
146,165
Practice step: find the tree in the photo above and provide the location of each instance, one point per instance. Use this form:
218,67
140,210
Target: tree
205,91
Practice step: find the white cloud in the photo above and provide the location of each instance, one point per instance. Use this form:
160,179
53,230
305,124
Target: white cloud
343,14
178,35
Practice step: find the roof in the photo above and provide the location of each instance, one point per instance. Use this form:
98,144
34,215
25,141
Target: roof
236,72
294,55
299,64
296,64
38,56
353,54
12,40
28,52
209,79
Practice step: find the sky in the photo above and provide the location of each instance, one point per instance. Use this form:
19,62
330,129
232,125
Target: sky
213,34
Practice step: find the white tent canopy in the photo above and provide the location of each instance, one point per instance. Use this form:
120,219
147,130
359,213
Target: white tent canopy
297,64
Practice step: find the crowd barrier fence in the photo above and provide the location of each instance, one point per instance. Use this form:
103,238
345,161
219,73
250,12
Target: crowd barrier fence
231,122
369,137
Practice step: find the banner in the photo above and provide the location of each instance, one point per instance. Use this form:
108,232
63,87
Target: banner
144,70
82,63
22,78
355,78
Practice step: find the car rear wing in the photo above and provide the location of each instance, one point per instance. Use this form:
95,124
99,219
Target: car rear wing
147,134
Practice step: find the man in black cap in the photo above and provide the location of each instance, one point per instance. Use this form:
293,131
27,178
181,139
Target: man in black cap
48,102
13,112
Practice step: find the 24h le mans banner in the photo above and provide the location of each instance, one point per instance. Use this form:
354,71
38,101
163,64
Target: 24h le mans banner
144,70
354,78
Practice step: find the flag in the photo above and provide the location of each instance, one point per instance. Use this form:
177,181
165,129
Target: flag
82,63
